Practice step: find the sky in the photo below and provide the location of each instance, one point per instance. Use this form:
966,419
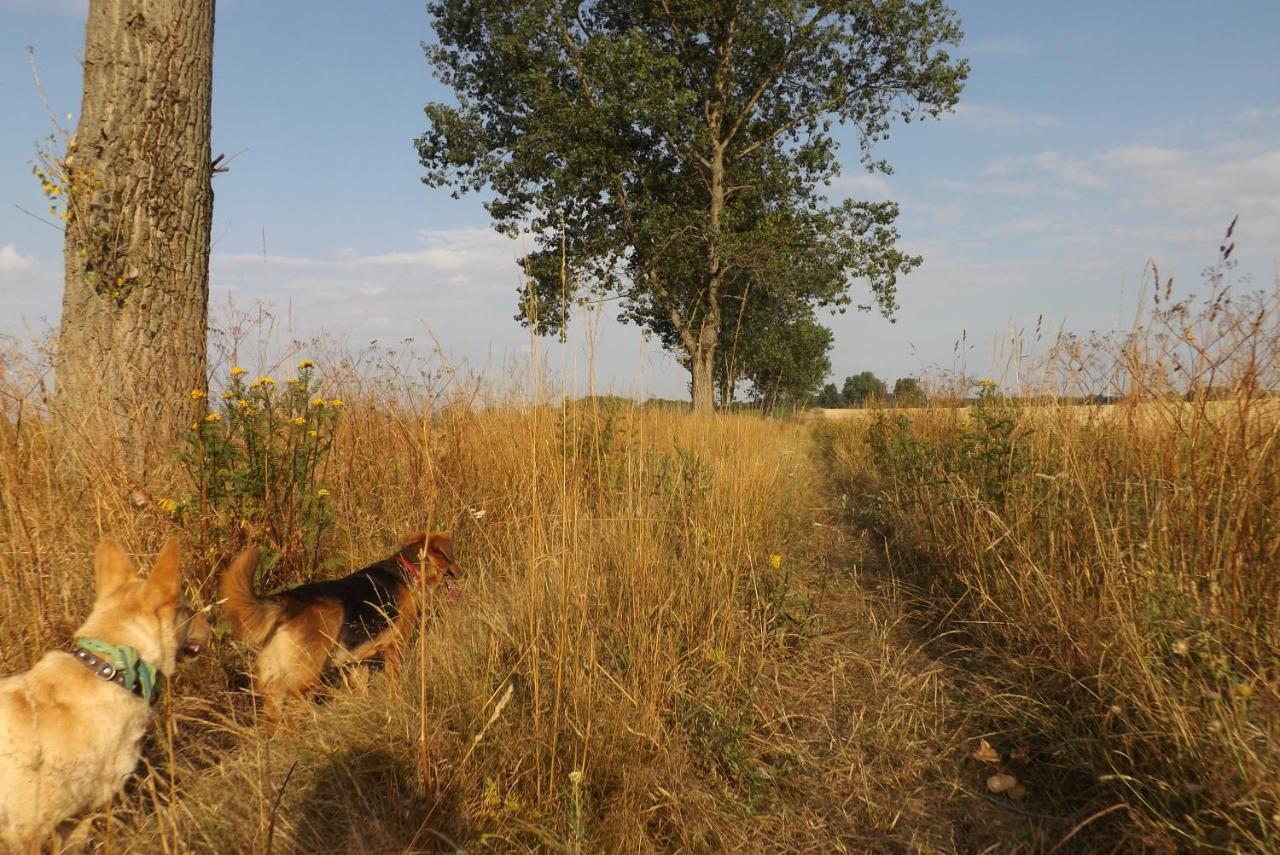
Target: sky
1091,138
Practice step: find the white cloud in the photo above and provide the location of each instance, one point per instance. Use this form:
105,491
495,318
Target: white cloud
990,188
1152,200
1206,187
995,117
12,261
470,250
1141,157
1067,172
862,185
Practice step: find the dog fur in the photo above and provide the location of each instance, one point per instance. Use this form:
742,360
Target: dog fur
69,739
305,630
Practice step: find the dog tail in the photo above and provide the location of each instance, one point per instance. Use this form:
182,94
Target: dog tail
251,617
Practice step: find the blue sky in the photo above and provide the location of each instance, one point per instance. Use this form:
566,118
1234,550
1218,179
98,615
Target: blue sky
1092,137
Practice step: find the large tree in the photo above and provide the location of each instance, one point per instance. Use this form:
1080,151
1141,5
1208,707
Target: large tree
132,343
658,149
771,337
788,364
859,389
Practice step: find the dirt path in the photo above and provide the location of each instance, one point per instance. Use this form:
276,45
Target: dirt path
879,725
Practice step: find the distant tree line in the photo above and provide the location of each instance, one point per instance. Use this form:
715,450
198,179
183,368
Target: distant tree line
865,389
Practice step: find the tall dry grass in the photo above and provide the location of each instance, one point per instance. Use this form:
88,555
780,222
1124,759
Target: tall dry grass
662,643
1110,574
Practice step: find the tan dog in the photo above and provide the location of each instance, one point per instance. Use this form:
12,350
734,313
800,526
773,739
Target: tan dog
71,728
306,629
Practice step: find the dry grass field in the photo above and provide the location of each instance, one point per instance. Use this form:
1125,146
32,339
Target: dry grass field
667,641
1005,628
1107,575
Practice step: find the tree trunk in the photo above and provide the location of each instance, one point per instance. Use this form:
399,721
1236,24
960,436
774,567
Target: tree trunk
132,344
702,368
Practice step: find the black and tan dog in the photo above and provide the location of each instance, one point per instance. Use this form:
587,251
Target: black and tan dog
304,630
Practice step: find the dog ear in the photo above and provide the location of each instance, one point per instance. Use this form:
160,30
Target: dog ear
414,539
163,585
111,567
440,548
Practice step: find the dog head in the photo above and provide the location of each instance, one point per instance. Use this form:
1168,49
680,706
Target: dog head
146,614
432,555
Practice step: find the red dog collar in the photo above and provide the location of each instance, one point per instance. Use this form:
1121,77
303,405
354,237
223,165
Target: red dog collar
410,566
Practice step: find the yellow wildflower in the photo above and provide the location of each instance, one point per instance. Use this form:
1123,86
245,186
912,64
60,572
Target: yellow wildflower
321,493
236,371
198,394
305,364
228,395
168,505
213,418
298,420
775,561
313,433
336,403
244,406
317,401
292,381
57,191
266,381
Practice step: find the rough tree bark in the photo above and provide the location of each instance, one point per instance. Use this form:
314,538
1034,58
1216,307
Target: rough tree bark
132,343
702,369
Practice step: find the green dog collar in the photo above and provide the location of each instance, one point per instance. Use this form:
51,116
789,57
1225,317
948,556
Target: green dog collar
117,663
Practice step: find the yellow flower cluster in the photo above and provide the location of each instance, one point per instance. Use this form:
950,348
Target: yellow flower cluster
321,493
775,561
305,364
317,401
336,403
213,418
244,406
298,420
198,394
237,371
168,505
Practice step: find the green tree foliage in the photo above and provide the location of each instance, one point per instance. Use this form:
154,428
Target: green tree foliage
781,349
660,152
860,389
907,392
830,398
